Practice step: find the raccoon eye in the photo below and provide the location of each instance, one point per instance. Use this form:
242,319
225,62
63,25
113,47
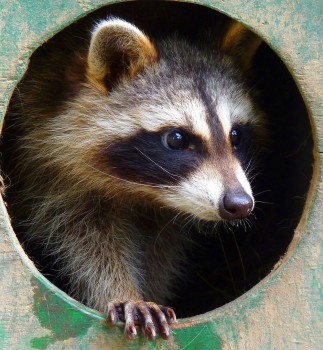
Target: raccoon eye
175,140
235,137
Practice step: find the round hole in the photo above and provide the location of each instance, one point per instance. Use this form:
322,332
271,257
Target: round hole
224,265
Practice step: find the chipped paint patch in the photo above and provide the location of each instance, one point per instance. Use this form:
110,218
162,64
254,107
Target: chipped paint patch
56,316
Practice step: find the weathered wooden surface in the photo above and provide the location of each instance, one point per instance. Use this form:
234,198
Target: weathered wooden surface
284,311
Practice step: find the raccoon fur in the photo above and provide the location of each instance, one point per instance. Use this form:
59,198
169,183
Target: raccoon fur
117,143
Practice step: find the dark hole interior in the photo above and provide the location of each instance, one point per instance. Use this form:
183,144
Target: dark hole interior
229,263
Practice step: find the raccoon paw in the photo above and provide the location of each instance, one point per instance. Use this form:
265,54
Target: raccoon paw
153,319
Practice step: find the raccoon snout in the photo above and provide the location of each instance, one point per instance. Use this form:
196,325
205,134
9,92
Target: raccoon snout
236,205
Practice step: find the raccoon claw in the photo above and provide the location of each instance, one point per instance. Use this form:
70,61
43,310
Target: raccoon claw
153,319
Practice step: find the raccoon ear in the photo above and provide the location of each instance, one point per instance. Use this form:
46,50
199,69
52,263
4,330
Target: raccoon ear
241,44
118,50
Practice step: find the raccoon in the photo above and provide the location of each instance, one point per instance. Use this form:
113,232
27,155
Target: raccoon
116,144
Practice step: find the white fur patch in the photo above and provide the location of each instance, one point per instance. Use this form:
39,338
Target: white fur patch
117,22
190,113
224,111
231,112
199,195
242,178
196,113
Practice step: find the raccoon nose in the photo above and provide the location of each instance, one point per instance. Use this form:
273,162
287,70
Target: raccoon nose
236,205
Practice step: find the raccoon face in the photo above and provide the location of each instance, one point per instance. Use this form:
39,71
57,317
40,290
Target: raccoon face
178,123
192,159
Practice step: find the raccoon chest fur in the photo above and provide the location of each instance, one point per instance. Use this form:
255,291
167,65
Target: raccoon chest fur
120,143
127,256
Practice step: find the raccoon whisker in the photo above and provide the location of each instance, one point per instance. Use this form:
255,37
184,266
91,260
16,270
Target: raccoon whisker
198,222
260,209
158,165
189,219
130,182
214,226
248,166
252,178
259,193
206,224
172,220
235,223
193,223
264,202
179,214
238,250
184,220
228,265
226,224
240,259
248,222
253,215
245,225
251,173
81,38
252,166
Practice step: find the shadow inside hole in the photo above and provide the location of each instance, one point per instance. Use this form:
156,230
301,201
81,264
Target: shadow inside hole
234,260
225,265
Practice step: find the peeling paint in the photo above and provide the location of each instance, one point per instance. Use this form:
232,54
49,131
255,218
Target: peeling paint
64,323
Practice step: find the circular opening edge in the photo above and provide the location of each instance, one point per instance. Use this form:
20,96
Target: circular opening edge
301,227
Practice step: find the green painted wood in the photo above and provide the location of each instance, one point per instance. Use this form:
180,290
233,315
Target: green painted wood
284,311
